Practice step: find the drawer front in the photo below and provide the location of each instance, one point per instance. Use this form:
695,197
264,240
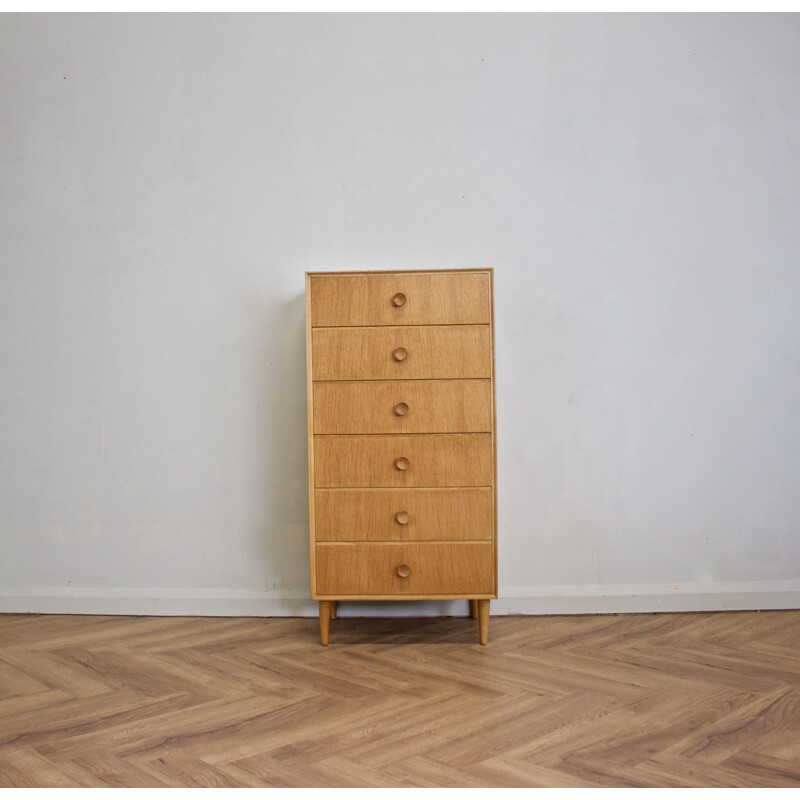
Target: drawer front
456,459
380,353
403,515
403,407
380,569
401,298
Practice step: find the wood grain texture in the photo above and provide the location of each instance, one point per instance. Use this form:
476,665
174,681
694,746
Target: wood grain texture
433,351
494,427
433,568
311,459
435,460
324,620
650,700
435,298
483,620
452,406
370,514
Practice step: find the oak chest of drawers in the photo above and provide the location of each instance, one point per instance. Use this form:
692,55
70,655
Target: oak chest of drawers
401,441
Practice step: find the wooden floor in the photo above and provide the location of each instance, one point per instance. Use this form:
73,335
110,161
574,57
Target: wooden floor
638,700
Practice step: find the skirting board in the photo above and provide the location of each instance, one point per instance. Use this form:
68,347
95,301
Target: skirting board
627,599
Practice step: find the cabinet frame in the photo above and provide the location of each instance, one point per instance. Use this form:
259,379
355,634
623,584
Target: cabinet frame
479,603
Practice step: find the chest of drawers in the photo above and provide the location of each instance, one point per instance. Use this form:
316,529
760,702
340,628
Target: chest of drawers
401,438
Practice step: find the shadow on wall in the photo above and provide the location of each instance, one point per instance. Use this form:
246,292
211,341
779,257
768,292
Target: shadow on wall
283,541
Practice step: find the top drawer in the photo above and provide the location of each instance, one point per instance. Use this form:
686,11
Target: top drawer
400,298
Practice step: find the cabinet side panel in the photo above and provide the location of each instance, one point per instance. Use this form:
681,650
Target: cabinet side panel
310,400
494,426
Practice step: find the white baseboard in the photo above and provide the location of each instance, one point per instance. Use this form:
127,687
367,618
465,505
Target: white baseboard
644,598
157,602
626,599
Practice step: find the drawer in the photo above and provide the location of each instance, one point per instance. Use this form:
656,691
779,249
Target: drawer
455,459
403,514
378,569
400,298
376,353
403,406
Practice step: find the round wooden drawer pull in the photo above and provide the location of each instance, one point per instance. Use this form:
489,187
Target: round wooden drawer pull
401,409
401,354
403,571
399,300
402,517
402,463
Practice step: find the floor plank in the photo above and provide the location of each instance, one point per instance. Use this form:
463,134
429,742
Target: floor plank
632,700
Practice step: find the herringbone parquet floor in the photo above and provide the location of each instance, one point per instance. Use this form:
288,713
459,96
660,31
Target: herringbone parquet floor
639,700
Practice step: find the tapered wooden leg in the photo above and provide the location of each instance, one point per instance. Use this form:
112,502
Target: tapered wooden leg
334,606
483,620
324,620
473,609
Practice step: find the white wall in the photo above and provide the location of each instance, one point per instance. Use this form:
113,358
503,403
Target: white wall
166,180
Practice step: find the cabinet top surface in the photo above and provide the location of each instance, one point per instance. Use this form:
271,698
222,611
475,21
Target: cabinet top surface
396,272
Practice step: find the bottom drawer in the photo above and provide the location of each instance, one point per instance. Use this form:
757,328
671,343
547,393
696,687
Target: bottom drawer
460,568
